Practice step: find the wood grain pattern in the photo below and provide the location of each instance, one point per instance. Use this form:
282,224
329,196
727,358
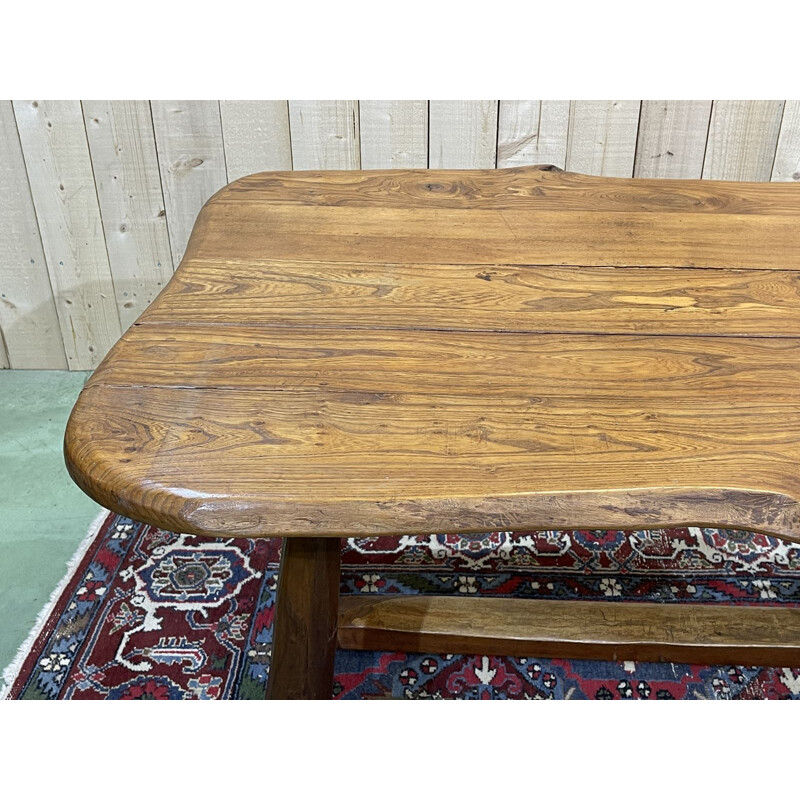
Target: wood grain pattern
538,188
324,462
394,134
28,320
337,409
123,151
672,136
233,356
325,134
742,138
684,633
463,134
256,135
787,153
602,137
532,132
508,298
306,615
57,160
431,234
192,162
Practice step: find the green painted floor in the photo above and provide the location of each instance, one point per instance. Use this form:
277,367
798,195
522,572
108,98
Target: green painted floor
43,515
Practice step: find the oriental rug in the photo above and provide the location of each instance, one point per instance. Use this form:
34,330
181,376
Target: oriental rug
145,614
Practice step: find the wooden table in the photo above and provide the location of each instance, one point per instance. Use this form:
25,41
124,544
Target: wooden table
407,352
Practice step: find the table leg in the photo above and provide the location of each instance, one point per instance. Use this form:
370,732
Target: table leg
306,611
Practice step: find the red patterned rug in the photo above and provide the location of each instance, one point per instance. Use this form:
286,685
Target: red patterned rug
150,615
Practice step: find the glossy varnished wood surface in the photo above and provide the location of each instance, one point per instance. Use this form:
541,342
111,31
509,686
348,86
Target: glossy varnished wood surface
344,234
488,298
682,633
520,188
402,352
523,216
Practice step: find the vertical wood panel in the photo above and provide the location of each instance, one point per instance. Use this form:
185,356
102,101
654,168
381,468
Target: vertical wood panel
28,320
192,162
742,139
602,137
463,134
256,136
787,157
672,138
325,134
123,152
56,154
394,134
532,132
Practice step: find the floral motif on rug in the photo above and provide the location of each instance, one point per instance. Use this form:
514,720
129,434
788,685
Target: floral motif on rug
153,615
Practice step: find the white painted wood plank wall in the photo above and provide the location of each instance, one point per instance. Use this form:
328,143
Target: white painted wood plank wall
191,156
672,138
742,139
532,132
28,320
256,136
787,154
123,151
602,137
59,168
463,134
325,134
394,134
97,200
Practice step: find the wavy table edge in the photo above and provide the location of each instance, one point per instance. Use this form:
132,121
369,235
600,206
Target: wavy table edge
182,511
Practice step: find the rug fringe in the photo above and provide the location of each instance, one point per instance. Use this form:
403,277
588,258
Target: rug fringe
11,672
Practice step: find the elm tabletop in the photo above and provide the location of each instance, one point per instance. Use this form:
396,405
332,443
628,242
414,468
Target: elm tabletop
415,352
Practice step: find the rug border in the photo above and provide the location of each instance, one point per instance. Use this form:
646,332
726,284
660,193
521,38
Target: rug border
12,671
